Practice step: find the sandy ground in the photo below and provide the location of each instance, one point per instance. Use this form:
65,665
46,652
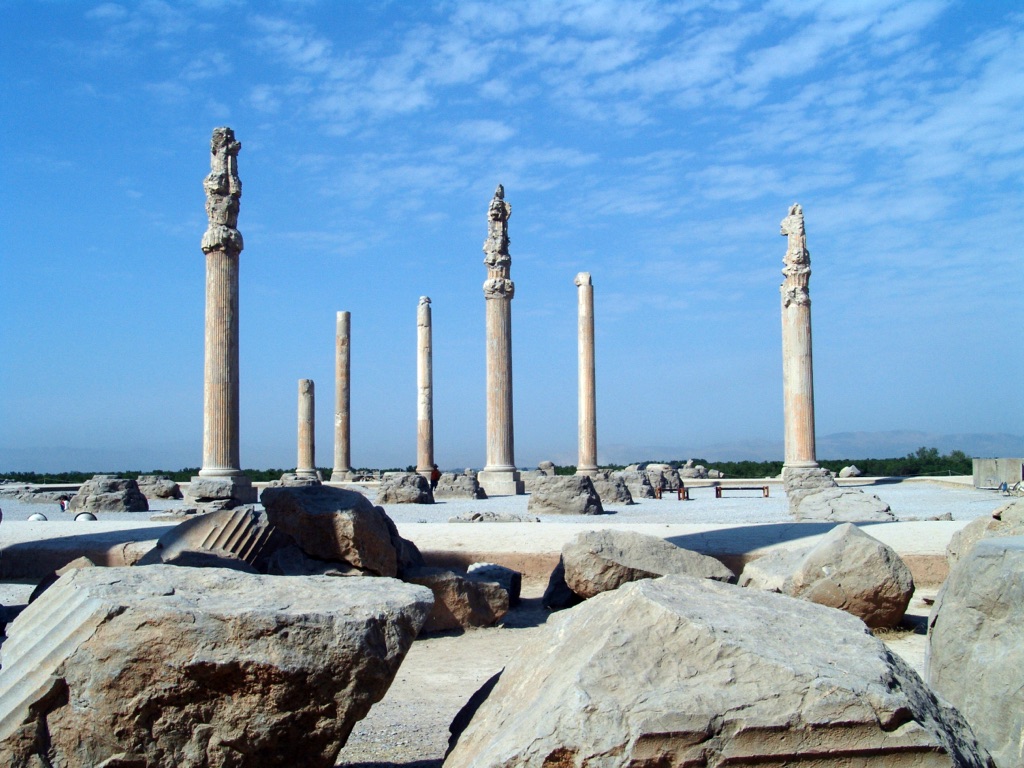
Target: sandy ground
409,727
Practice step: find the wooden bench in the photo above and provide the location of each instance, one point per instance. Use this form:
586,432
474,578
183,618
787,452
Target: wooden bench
682,492
762,488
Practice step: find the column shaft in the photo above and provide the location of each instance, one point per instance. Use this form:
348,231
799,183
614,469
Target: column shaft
798,386
587,463
425,389
500,439
220,369
342,400
306,464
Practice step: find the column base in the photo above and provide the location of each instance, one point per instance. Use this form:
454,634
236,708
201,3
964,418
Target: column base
342,475
308,472
501,482
221,492
588,471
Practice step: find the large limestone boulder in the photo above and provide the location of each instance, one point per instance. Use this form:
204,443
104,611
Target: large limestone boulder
612,490
547,467
241,538
564,495
689,672
458,486
404,488
662,476
460,602
1007,520
847,569
975,656
158,487
335,524
107,493
850,471
166,666
637,482
600,561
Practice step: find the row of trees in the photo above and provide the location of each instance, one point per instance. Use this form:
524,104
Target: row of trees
923,461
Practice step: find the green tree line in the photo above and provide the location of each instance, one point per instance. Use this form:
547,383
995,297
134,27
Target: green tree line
923,461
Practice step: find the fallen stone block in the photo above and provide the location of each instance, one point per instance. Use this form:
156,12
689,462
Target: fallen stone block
106,493
165,666
690,672
847,569
611,489
459,602
404,488
1006,520
564,495
334,524
458,486
509,580
975,654
158,487
600,561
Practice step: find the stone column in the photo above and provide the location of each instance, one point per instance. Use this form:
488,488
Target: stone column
307,435
221,479
499,476
587,464
425,390
342,459
797,369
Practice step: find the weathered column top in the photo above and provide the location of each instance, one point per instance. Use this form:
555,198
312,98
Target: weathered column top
797,261
583,278
496,254
223,193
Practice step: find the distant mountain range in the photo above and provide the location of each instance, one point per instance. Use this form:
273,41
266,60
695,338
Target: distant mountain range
841,445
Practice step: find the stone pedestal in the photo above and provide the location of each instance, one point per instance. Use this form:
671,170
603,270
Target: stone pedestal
425,390
306,465
342,463
797,366
222,244
587,463
499,477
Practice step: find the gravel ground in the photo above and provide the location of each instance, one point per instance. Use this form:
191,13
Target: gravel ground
909,500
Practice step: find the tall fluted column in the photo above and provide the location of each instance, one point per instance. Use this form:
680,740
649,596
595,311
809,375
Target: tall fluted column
425,389
797,367
342,458
222,244
499,476
587,464
306,436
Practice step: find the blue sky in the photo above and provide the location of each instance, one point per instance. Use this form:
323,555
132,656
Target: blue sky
655,145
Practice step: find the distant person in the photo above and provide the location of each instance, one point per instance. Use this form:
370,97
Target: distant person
435,475
1003,489
63,503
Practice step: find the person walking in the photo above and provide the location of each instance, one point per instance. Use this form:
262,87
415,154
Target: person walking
435,475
